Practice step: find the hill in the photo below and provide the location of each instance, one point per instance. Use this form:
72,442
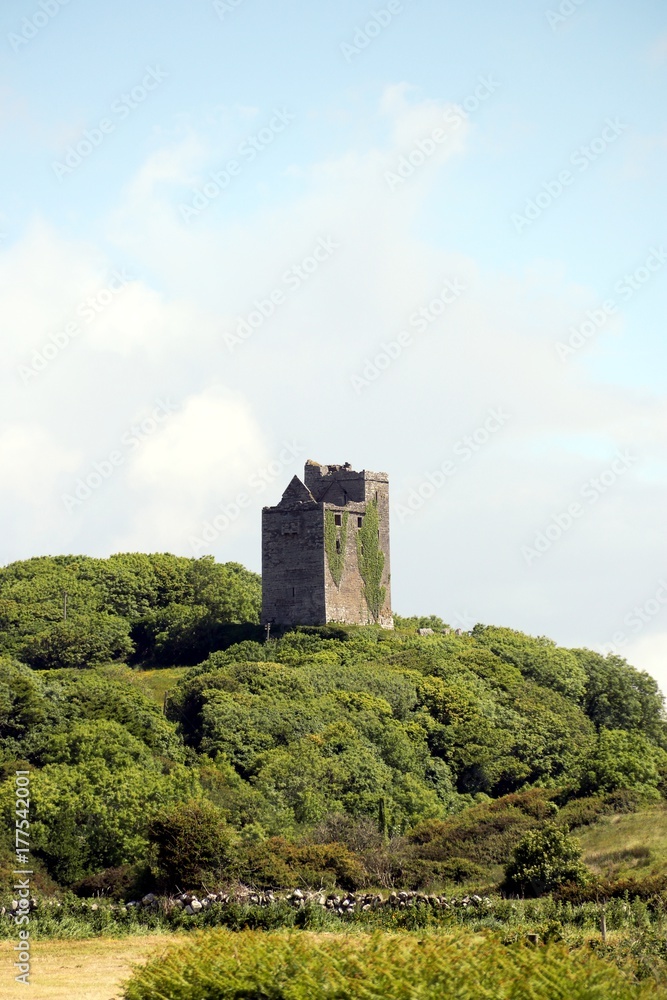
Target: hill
153,720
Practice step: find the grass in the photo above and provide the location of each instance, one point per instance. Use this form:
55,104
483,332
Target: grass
156,683
153,683
627,843
85,970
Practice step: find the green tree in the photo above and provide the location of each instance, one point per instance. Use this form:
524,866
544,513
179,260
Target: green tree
193,844
540,659
543,860
619,697
88,817
84,640
624,760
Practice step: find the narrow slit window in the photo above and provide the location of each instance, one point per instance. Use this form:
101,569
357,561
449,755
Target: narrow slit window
338,545
360,522
338,519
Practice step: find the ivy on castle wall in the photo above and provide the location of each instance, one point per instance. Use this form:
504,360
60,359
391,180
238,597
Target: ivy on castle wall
371,560
333,534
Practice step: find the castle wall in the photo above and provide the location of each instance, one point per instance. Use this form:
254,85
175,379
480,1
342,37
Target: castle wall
293,566
346,602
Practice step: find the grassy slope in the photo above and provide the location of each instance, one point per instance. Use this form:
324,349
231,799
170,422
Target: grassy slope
85,970
627,843
153,683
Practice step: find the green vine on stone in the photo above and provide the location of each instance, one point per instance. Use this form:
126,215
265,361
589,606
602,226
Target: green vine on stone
335,553
371,560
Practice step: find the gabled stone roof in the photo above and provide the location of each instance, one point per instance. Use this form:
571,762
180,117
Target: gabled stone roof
296,493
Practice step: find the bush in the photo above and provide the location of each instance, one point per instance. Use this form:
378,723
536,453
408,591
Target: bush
586,811
415,873
485,834
303,966
598,889
83,641
277,864
193,845
544,860
122,882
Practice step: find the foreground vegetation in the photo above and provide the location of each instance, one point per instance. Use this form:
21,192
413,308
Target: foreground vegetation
384,966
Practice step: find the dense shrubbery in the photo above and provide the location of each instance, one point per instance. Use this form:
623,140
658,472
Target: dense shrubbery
305,967
164,607
332,754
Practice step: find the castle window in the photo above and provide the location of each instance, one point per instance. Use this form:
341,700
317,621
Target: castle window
360,522
338,519
338,545
293,592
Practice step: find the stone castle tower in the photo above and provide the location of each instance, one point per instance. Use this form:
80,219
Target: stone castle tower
325,550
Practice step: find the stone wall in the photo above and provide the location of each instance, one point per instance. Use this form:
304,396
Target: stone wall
293,566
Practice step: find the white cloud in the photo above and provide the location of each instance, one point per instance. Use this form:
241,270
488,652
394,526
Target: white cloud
650,653
203,455
32,462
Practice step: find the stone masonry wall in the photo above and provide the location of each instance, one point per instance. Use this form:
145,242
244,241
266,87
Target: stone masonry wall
299,582
346,602
293,566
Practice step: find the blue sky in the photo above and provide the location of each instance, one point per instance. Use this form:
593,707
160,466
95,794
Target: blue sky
565,87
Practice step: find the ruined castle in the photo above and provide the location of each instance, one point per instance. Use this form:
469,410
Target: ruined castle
325,550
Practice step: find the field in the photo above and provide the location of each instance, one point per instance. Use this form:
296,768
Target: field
627,843
81,970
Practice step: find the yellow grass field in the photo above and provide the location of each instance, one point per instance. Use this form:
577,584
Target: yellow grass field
80,970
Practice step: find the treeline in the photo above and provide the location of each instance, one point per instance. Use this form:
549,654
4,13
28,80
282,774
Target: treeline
325,756
74,611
